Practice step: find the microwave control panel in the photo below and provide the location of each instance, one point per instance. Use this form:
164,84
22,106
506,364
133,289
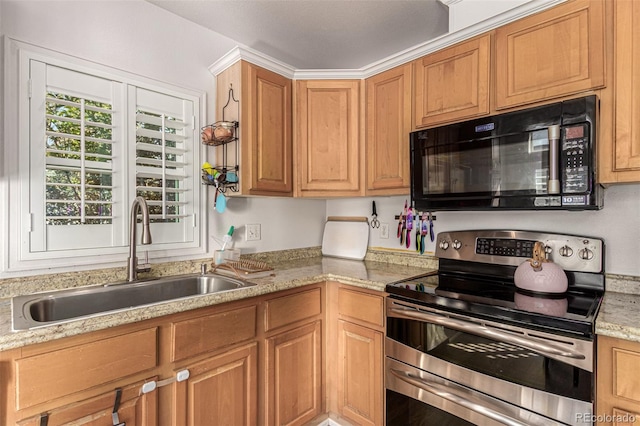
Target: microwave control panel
575,161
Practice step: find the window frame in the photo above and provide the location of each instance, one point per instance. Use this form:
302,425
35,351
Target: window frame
15,179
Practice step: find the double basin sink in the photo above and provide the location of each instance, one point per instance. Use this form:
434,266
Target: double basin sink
59,306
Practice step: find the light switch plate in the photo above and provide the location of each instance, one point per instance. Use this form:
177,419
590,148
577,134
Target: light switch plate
253,232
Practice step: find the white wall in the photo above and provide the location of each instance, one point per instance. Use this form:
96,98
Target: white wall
126,35
140,38
618,223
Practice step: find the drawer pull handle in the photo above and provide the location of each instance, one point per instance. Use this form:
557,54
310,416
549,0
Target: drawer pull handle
181,376
116,405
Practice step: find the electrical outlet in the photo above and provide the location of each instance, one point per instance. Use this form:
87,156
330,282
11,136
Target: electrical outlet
384,230
252,232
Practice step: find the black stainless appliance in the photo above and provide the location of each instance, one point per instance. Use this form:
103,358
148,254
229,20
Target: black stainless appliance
465,346
538,158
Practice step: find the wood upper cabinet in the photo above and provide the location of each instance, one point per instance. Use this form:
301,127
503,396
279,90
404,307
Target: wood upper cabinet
388,118
327,138
221,390
554,53
264,117
453,84
617,382
619,153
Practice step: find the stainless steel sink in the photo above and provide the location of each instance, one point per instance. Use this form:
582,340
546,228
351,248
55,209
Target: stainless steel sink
64,305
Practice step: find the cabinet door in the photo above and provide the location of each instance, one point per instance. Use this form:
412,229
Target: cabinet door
453,84
221,390
293,377
360,374
618,384
328,138
554,53
621,162
135,410
388,126
267,129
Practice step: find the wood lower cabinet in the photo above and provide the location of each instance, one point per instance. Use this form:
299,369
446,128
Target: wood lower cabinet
388,114
135,409
264,116
293,351
220,390
619,145
356,336
294,375
327,138
74,380
286,358
554,53
453,84
360,373
617,383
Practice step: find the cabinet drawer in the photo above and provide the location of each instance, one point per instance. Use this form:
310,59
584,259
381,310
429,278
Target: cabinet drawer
365,307
199,335
293,308
51,375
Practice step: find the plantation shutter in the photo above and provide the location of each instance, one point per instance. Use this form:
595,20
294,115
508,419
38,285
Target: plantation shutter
164,162
74,140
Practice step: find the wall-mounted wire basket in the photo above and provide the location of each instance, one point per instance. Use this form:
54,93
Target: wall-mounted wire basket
219,133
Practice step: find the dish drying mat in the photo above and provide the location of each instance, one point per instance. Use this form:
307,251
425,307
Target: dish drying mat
243,267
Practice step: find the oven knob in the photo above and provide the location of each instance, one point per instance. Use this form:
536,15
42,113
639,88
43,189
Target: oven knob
444,245
585,254
566,251
456,244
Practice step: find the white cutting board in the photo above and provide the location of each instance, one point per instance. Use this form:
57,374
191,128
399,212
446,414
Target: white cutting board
346,237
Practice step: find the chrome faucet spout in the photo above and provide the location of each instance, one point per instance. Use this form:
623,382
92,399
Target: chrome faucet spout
139,203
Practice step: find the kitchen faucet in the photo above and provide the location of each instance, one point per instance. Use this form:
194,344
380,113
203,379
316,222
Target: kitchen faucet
132,262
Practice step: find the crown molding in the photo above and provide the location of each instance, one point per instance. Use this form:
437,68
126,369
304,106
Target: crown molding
400,58
253,56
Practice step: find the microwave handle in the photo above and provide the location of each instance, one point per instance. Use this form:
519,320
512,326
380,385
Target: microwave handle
553,186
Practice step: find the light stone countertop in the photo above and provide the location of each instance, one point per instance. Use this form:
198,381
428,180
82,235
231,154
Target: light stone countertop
619,314
371,273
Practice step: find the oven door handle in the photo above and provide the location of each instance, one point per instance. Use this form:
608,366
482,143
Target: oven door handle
487,407
490,333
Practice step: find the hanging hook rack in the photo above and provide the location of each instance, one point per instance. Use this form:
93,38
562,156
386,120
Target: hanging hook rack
225,175
229,100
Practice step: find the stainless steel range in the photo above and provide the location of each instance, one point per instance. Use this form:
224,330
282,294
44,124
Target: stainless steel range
465,346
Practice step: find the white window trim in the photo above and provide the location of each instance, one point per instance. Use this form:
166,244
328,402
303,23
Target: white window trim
14,177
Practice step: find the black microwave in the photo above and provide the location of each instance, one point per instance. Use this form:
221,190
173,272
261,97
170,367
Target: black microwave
533,159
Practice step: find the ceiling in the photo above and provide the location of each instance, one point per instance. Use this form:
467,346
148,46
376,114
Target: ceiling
319,34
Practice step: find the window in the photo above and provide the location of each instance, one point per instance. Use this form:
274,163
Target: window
96,139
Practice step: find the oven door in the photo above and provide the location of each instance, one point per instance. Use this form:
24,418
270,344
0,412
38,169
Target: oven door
549,375
415,397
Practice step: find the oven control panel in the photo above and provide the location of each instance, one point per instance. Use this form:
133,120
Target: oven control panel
571,252
504,247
